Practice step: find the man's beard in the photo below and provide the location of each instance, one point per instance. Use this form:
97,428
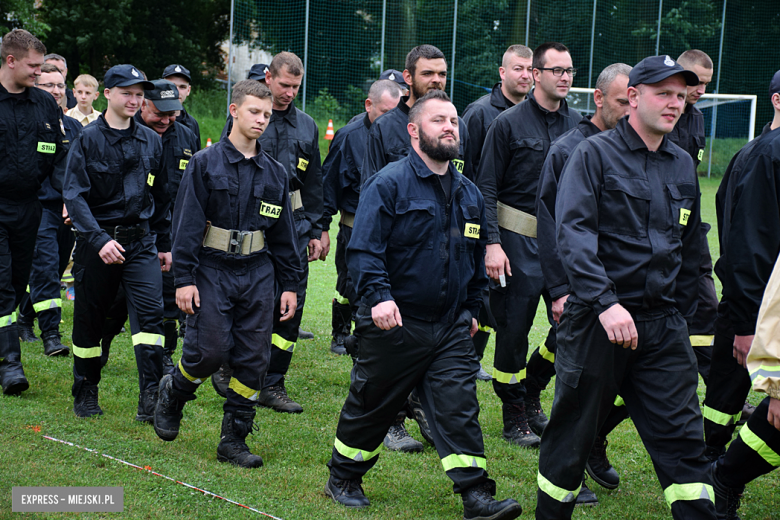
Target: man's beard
419,91
437,150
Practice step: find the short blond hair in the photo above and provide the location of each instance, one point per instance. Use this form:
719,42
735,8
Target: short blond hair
86,80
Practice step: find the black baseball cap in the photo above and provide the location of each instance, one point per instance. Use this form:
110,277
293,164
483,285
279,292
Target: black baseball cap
257,72
164,95
394,75
774,85
125,76
170,70
654,69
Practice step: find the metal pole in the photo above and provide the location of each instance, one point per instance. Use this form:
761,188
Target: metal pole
305,56
527,20
717,89
230,54
590,65
382,47
658,36
451,75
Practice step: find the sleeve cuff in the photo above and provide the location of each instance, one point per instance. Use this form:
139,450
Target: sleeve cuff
604,302
494,237
101,240
316,234
743,328
290,286
559,291
184,281
373,298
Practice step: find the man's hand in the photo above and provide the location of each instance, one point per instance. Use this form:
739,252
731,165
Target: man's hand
496,262
111,253
773,416
619,326
741,348
288,305
66,218
185,296
166,260
557,308
325,241
386,315
315,248
474,327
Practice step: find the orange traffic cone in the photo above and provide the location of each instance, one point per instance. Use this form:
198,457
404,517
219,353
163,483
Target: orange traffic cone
208,142
329,132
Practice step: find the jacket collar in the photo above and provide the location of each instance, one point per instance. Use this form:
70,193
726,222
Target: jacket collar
4,94
290,114
113,136
367,121
422,170
498,99
586,127
234,156
563,110
635,142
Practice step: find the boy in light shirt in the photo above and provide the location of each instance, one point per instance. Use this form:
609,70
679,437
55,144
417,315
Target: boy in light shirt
86,90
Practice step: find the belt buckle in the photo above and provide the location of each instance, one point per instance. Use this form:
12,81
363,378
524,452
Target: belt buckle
120,234
236,242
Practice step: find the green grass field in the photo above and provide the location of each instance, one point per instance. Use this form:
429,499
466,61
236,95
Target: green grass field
295,447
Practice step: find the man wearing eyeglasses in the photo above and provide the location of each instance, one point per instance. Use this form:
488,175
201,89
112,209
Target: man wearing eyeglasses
512,157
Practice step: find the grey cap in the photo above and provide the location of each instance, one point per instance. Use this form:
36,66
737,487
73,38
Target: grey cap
164,95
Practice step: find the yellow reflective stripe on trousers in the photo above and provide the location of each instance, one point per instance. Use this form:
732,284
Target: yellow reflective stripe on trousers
354,453
7,320
484,328
717,417
86,353
701,340
506,378
546,354
243,390
45,305
147,338
559,494
619,401
341,300
759,446
189,377
764,371
693,491
281,343
463,461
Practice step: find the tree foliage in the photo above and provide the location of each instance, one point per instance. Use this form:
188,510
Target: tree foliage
21,14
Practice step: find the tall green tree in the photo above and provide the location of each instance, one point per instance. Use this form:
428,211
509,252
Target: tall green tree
21,14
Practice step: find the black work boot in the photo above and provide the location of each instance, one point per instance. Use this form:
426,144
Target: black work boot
598,466
586,497
171,337
12,377
537,420
85,402
348,493
52,346
415,407
341,324
147,403
305,334
479,504
483,375
516,429
726,499
220,380
232,448
747,411
276,398
168,413
398,439
26,332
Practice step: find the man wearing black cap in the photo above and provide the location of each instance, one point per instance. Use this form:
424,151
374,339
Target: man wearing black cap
180,77
119,204
627,222
257,72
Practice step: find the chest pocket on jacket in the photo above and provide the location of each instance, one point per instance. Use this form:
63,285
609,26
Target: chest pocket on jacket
624,206
681,198
222,199
414,224
397,153
268,205
46,142
471,229
105,180
528,150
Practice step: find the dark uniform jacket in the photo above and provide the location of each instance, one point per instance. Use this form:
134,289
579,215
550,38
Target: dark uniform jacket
70,99
192,124
479,115
748,208
389,141
688,133
31,144
48,196
560,151
228,190
112,180
514,152
179,144
627,223
341,170
292,138
413,245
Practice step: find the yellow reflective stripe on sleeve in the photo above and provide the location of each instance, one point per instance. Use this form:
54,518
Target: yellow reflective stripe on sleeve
147,338
759,446
45,305
693,491
764,371
87,353
354,453
546,354
195,380
243,390
463,461
717,417
281,343
7,320
506,378
619,401
559,494
341,300
485,328
701,341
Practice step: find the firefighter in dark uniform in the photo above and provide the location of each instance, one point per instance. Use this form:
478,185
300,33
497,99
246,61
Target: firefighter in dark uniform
233,234
749,230
416,255
121,210
512,158
43,299
341,189
611,100
627,223
31,149
180,76
517,79
396,77
158,112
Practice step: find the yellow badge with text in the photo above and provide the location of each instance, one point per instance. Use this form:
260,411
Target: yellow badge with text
471,231
150,179
183,164
701,154
270,210
47,147
458,165
302,164
684,214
